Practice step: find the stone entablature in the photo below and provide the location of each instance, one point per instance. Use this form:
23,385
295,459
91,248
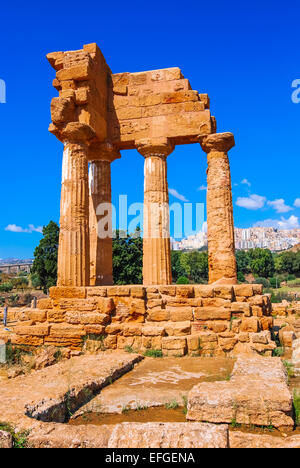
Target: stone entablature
99,113
201,320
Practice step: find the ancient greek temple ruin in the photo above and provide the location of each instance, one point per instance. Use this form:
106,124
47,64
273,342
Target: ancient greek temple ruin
96,116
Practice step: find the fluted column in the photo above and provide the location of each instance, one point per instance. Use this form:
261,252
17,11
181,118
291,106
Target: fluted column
73,252
101,266
156,239
220,226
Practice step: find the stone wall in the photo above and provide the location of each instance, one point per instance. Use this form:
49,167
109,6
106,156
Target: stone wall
179,320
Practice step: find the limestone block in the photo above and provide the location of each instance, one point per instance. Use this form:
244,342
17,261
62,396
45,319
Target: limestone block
132,329
27,340
245,290
37,315
154,303
218,326
96,291
212,313
43,304
180,314
204,291
244,337
138,292
66,331
56,316
238,401
178,328
224,292
262,337
193,343
148,329
94,318
114,328
216,302
238,439
110,342
58,292
185,291
167,290
94,329
227,341
118,291
241,308
158,315
168,435
250,325
173,343
34,330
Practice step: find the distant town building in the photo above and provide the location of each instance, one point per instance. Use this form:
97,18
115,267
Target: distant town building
245,239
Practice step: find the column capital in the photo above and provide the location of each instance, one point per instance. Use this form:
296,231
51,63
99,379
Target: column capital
73,132
220,142
103,152
160,147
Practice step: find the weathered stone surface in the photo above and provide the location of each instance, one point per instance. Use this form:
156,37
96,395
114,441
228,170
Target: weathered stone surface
256,394
168,435
238,439
6,440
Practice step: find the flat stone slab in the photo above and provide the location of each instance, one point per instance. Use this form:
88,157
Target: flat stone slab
49,394
155,382
131,435
257,394
169,435
239,439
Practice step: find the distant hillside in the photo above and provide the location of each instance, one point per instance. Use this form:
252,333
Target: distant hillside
296,248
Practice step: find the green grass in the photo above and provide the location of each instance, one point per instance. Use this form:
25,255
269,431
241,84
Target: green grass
289,368
173,404
129,349
278,352
185,404
154,353
19,438
296,402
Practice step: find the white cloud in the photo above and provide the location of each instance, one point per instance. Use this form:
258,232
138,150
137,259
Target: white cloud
279,205
246,182
204,226
202,187
290,223
297,203
177,195
253,202
31,228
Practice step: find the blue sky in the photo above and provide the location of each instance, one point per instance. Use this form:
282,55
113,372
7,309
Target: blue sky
245,56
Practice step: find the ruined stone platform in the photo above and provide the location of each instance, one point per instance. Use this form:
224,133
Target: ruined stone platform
257,394
201,319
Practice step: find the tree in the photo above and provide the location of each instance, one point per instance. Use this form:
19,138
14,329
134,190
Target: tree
242,261
45,257
177,268
128,258
182,280
261,262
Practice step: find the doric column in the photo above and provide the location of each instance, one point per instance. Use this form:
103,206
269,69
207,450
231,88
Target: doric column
220,226
73,252
101,266
156,239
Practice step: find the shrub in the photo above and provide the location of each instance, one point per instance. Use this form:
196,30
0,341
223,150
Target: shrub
155,353
240,277
183,280
262,281
13,300
6,287
19,438
297,406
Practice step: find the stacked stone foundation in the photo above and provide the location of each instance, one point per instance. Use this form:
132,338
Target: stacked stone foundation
198,320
